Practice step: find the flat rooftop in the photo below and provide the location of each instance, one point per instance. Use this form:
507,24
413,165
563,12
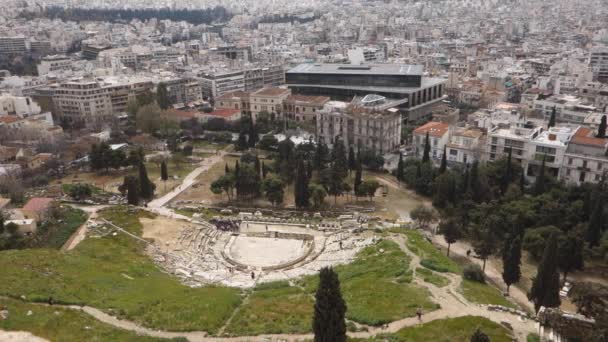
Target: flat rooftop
364,69
426,83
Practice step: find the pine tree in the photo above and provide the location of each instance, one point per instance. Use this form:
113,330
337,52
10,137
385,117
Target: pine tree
539,185
511,261
146,187
132,190
601,130
301,193
594,227
400,170
507,175
328,322
162,96
545,287
444,161
426,156
552,118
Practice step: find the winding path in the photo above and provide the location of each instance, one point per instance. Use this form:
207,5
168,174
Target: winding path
453,304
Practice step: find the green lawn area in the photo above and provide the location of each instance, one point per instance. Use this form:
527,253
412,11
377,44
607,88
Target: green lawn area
113,274
274,308
377,286
432,277
457,329
483,294
532,338
201,144
57,324
430,256
54,234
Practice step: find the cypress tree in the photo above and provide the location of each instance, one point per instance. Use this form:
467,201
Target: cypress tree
321,156
474,181
253,135
164,175
358,177
594,227
601,130
264,170
426,156
132,190
352,160
146,187
465,180
539,185
226,169
256,164
309,169
545,287
162,96
444,161
400,168
301,187
511,261
237,180
507,175
571,251
328,322
522,182
241,142
552,118
339,158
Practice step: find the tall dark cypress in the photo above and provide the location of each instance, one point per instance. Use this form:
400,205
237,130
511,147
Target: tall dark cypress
253,134
474,182
400,168
601,130
238,186
539,185
352,160
552,118
511,261
132,190
164,175
146,187
226,169
507,175
256,165
301,187
330,308
444,161
594,227
358,177
426,156
545,287
466,180
522,182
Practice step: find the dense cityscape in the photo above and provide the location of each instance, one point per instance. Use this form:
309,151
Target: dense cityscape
412,170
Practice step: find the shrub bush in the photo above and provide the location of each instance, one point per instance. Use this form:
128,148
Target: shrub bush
474,273
432,265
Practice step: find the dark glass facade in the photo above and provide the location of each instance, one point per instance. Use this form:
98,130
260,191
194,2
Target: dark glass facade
345,79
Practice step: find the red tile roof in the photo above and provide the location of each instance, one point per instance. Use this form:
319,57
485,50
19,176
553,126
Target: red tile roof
434,128
271,91
37,204
224,113
585,136
8,119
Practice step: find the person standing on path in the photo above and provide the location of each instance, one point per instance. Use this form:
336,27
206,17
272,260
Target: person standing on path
419,313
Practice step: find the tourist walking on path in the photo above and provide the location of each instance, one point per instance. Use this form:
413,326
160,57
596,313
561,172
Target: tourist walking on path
419,313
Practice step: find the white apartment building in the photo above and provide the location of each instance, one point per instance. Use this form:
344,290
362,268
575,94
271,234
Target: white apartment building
218,83
18,105
465,145
12,46
550,146
585,158
94,103
51,64
567,108
595,93
439,136
598,61
517,137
